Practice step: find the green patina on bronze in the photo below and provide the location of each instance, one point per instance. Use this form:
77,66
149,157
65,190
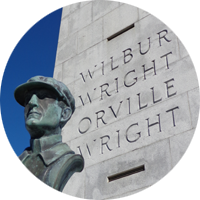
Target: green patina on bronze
48,106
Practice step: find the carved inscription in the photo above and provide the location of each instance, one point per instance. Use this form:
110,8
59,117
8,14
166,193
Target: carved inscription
133,133
130,78
123,105
113,110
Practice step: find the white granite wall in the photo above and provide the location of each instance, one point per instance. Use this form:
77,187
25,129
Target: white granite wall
136,96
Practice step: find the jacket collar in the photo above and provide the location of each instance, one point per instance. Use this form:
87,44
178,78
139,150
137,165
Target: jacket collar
50,148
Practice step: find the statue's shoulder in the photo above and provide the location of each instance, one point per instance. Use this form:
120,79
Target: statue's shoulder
72,161
62,169
70,164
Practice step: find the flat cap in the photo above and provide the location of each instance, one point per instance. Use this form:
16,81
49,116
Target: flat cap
48,83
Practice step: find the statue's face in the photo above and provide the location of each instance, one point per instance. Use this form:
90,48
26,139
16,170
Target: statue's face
42,112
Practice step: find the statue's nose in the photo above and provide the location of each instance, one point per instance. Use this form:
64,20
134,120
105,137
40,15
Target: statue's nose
33,102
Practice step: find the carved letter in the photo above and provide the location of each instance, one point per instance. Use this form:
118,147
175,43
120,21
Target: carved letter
149,125
141,107
129,106
171,86
133,79
105,143
102,68
172,110
112,64
127,54
139,133
115,114
145,70
155,101
160,37
104,90
116,84
79,148
166,58
101,117
118,139
88,150
89,73
90,122
143,53
88,98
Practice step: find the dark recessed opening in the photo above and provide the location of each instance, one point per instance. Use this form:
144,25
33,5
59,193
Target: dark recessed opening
126,173
120,32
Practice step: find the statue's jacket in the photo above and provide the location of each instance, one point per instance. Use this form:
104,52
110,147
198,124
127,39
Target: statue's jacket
52,161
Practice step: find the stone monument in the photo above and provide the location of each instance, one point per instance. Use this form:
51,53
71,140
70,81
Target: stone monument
136,92
48,106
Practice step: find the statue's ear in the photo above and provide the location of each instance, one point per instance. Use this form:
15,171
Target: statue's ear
66,114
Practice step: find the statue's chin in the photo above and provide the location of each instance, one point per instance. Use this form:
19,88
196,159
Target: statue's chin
32,124
40,127
33,129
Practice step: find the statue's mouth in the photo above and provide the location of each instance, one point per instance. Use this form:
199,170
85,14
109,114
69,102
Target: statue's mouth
33,114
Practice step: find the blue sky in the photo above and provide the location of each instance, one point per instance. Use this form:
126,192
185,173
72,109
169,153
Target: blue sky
33,55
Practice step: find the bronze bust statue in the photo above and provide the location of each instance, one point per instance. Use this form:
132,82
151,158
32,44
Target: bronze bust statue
48,106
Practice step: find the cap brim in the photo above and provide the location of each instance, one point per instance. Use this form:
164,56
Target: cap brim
21,90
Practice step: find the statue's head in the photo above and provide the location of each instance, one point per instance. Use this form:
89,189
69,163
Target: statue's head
48,105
